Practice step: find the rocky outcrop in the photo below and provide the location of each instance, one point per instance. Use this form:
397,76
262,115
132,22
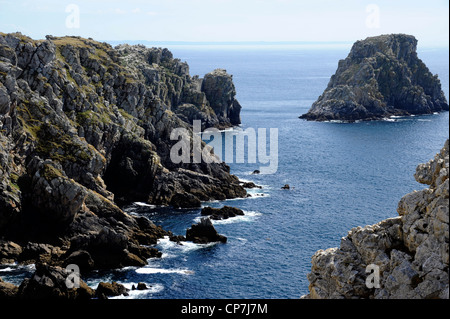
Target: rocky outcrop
382,76
411,251
204,232
220,91
51,283
221,213
55,283
84,129
105,290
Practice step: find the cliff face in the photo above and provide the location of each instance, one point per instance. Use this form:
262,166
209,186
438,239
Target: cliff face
411,251
84,127
381,76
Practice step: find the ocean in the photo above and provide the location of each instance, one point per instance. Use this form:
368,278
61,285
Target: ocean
340,175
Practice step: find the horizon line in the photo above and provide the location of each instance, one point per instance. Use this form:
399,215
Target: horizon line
251,43
230,42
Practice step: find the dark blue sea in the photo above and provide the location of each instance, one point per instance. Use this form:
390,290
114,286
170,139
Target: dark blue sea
341,176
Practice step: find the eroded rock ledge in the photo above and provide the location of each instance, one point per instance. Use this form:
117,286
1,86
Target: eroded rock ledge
411,250
382,76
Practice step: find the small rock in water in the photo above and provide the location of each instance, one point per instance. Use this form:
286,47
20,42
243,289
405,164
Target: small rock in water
204,232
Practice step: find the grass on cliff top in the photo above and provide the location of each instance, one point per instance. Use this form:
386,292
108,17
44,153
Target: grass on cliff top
79,42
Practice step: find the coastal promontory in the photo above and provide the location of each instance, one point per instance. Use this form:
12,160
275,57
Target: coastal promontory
382,76
84,130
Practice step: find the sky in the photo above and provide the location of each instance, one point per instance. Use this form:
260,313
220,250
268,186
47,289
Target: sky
229,20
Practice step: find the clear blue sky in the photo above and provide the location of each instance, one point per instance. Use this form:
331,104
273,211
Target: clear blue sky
230,20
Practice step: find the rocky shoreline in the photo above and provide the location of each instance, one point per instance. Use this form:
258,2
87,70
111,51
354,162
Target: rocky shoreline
84,130
411,251
381,77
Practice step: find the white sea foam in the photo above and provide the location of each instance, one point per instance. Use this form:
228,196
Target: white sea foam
16,266
248,216
134,294
170,248
156,270
144,204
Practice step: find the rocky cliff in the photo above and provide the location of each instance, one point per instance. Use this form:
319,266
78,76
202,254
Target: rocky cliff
381,76
411,251
84,128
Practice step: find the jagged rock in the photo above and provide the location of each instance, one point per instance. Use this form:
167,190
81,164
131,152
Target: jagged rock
221,213
204,232
220,91
141,286
84,128
8,290
39,252
382,76
82,259
250,185
113,289
9,251
411,251
49,282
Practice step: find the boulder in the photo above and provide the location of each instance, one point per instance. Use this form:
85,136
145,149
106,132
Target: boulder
9,251
250,185
105,290
82,259
204,232
7,290
221,213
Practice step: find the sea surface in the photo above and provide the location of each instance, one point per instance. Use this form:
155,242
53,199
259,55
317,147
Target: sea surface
340,176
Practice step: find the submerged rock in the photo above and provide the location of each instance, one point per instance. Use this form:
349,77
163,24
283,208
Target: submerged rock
382,76
221,213
410,251
250,185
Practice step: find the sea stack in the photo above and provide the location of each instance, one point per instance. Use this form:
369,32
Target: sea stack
382,76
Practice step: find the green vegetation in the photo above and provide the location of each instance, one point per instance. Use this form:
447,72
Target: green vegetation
49,172
90,117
